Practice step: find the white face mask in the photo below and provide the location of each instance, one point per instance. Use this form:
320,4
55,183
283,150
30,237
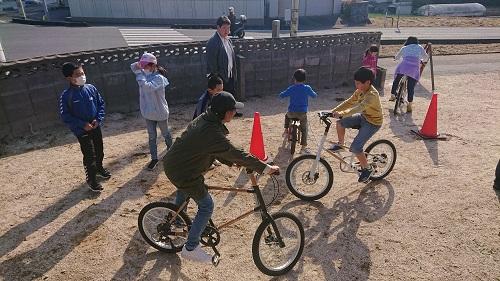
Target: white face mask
80,81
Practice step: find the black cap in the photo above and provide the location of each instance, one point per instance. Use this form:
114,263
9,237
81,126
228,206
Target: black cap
224,102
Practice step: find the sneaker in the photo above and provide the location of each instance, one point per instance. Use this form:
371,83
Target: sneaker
336,148
304,150
365,175
152,164
196,255
392,98
103,173
94,186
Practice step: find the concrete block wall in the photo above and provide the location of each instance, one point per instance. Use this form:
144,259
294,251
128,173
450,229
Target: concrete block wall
30,89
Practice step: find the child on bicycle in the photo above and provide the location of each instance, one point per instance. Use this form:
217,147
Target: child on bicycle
364,111
412,54
189,158
299,94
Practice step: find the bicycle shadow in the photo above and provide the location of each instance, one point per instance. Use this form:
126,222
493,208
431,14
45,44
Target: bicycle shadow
346,257
136,257
401,126
16,235
65,239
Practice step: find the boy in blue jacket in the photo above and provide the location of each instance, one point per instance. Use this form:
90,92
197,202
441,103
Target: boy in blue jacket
82,110
299,94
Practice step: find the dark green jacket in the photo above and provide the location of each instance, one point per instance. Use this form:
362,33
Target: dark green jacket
203,141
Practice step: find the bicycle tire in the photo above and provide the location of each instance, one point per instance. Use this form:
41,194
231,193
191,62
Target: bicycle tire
293,139
293,171
379,160
265,236
400,95
160,242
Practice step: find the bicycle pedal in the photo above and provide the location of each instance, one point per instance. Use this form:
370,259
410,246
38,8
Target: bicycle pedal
215,260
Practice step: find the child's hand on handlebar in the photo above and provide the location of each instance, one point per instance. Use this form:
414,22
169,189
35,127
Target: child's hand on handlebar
335,114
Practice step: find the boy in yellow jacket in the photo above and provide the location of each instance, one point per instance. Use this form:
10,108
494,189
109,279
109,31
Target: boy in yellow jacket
364,111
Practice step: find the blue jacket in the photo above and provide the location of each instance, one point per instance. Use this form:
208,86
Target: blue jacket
202,104
79,105
298,94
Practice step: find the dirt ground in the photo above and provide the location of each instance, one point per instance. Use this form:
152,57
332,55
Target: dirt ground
421,21
390,50
435,217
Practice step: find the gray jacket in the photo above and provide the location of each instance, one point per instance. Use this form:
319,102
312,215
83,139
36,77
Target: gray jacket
217,58
152,100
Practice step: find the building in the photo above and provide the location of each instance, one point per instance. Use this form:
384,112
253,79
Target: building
202,12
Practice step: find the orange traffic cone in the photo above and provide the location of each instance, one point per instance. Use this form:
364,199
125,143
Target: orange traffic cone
429,128
257,141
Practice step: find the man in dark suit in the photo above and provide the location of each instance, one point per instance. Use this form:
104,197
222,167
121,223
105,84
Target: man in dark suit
220,55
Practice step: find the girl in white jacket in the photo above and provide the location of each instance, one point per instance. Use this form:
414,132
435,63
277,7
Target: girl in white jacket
152,81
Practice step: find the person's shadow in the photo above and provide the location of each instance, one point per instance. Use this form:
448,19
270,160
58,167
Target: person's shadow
36,262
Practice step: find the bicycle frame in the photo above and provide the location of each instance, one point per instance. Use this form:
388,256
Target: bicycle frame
261,206
350,164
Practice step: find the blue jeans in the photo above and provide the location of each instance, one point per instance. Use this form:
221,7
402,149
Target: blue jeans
151,126
366,130
205,210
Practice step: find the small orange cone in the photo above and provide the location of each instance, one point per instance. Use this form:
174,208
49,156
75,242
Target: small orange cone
429,128
257,141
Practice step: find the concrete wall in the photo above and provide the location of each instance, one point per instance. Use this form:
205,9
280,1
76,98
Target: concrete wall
30,89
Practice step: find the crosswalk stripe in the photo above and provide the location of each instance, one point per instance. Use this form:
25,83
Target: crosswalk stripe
144,36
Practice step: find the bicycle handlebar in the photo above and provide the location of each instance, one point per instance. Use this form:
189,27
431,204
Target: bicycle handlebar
325,114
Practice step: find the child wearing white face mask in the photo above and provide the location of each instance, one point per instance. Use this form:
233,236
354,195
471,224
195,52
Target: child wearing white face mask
82,110
152,80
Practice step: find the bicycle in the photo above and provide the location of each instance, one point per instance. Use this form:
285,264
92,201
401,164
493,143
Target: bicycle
294,134
276,247
401,101
303,173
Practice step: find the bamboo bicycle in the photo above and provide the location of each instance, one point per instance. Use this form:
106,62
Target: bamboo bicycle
310,177
277,244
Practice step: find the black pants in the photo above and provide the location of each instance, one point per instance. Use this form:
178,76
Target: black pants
92,150
229,86
410,86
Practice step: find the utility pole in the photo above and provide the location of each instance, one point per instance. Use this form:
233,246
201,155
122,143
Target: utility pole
46,17
2,54
21,8
294,23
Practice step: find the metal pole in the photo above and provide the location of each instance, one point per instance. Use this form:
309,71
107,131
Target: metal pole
432,67
2,54
276,29
21,8
294,25
46,17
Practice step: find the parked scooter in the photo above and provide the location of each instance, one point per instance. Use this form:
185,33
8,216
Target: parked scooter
238,28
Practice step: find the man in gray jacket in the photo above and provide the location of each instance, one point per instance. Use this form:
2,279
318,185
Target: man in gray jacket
203,141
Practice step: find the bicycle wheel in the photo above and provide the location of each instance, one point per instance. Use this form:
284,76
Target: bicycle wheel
305,184
381,155
293,139
400,96
155,228
269,256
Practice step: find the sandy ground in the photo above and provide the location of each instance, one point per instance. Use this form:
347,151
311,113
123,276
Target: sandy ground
435,217
390,50
421,21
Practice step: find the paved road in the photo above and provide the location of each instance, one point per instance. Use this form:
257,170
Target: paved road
25,41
